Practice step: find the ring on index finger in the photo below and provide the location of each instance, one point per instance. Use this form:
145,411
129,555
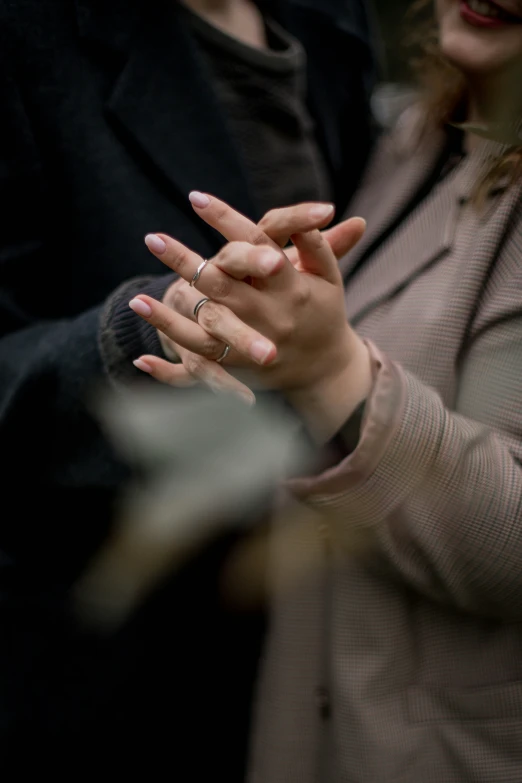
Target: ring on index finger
198,273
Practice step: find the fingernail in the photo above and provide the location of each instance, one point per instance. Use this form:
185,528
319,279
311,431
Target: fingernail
155,244
321,211
140,307
268,260
141,365
248,399
260,350
198,199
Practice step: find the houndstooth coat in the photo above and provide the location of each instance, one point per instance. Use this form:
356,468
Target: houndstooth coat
398,658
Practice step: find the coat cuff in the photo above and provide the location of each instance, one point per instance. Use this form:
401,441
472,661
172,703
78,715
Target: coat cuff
397,447
123,335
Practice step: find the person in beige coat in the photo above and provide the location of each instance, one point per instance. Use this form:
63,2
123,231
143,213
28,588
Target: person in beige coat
399,661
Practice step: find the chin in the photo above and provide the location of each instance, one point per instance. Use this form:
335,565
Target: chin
462,52
477,51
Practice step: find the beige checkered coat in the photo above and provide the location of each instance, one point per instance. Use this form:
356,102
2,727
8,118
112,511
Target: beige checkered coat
403,663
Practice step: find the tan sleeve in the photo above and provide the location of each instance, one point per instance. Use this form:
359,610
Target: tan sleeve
439,492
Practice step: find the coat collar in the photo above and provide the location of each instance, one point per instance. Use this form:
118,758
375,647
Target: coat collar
161,103
476,167
405,163
385,194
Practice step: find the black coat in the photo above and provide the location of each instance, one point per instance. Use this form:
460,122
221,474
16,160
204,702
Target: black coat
107,122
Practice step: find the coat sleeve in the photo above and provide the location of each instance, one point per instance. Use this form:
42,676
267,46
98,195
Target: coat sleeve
436,494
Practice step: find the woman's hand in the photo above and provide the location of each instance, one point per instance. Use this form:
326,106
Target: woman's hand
274,230
289,326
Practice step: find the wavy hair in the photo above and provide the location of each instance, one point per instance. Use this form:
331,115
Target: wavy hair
444,91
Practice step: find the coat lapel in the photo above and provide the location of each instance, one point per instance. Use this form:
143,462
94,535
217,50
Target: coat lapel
422,239
162,102
427,234
400,169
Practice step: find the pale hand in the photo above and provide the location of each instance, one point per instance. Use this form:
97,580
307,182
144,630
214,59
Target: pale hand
285,321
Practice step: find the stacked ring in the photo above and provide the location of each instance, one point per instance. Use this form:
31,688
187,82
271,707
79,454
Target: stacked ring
198,273
199,305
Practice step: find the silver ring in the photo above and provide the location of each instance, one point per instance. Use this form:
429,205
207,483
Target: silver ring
198,273
224,354
199,306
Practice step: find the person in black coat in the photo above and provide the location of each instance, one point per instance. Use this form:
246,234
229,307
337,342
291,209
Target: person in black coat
112,111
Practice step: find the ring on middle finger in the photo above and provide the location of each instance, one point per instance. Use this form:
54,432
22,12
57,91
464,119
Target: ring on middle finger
199,305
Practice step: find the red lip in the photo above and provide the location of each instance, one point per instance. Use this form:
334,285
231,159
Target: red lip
493,23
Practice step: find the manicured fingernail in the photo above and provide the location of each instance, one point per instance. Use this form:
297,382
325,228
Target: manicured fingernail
198,199
321,211
260,350
155,244
141,365
248,399
140,307
268,260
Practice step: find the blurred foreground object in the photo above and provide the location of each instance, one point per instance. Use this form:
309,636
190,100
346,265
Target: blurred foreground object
389,100
206,460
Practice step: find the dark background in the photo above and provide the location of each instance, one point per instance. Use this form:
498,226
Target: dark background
393,27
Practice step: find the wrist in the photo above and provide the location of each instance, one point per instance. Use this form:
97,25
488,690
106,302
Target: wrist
325,406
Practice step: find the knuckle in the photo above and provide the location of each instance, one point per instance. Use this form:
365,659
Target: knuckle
258,237
210,348
194,364
300,296
240,248
316,240
180,260
177,298
269,219
285,329
220,288
227,253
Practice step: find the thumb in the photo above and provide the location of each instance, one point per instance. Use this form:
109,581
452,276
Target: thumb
343,237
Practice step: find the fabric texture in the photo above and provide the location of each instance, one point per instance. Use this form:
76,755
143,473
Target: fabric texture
263,96
409,627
